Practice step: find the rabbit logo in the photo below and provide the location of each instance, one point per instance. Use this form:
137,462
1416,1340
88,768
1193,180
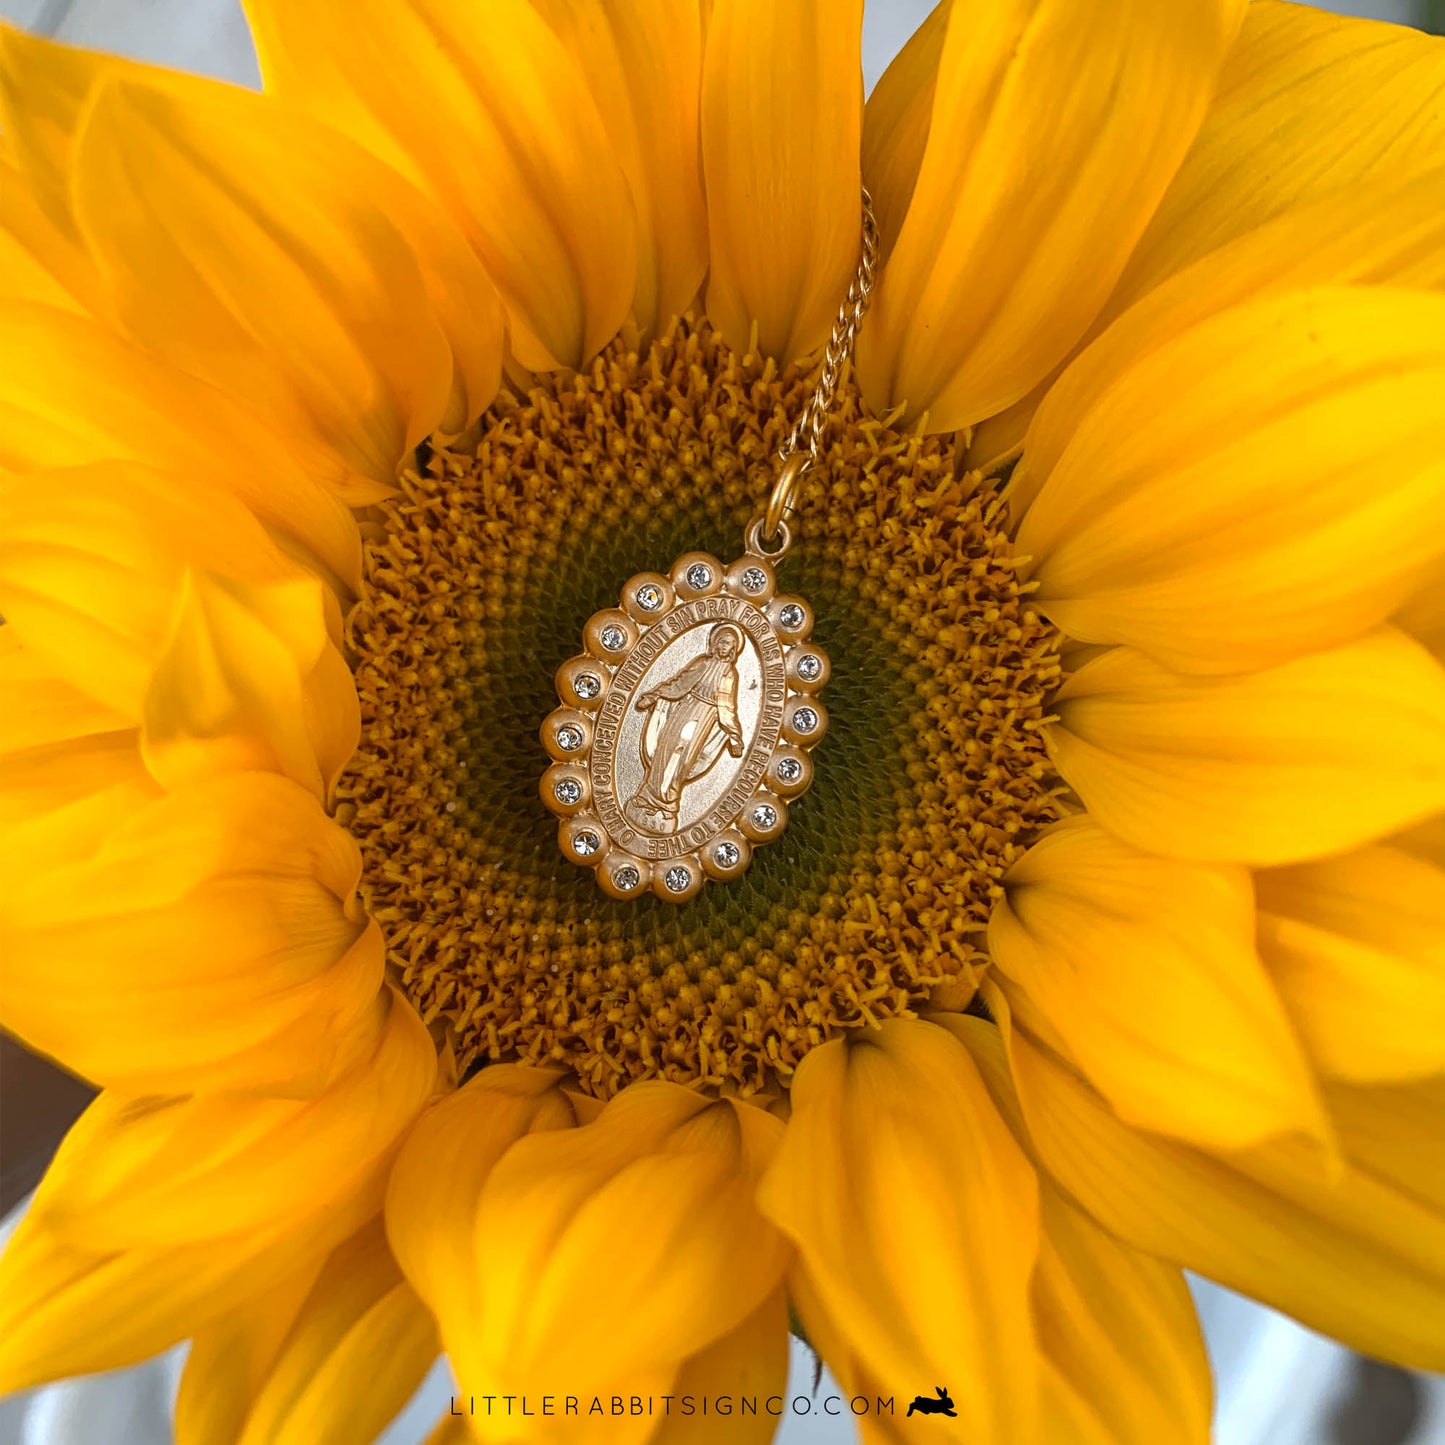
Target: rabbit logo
943,1405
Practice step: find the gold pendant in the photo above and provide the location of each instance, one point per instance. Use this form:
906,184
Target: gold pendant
686,725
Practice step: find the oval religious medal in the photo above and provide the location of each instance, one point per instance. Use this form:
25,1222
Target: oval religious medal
685,726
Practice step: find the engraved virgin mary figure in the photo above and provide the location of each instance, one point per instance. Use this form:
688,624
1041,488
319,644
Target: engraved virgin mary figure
693,715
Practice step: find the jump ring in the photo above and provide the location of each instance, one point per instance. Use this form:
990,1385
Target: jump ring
753,539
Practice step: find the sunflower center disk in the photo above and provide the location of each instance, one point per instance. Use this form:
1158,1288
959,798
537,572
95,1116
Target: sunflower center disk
932,779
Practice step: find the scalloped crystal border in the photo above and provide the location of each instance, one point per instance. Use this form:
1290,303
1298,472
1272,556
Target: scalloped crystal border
584,682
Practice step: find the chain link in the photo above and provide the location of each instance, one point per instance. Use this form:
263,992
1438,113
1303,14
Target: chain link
768,534
808,433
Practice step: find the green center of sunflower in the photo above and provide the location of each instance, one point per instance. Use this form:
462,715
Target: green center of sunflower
933,776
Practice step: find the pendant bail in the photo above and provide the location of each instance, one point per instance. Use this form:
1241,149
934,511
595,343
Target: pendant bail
773,537
780,504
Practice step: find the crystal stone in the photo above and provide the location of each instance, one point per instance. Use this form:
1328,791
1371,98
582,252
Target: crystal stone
568,790
754,579
613,637
587,686
810,668
678,880
569,737
727,855
765,815
649,597
791,616
627,878
805,719
587,844
699,575
790,770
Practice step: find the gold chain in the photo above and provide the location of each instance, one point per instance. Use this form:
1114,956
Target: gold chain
804,445
840,343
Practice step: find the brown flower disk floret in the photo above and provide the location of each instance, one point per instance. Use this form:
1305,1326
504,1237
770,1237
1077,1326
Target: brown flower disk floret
932,779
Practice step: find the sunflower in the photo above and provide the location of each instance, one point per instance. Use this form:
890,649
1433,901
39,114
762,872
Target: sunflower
1110,940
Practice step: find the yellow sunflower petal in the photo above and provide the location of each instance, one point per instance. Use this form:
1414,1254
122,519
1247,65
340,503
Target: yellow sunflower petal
1309,758
782,116
1427,840
431,1202
881,1428
1123,1359
23,278
37,262
46,91
60,749
69,1310
1387,1127
137,1171
1376,219
999,439
744,1369
331,1368
1385,230
158,1215
58,800
643,62
1268,483
1356,946
102,965
1146,968
43,88
39,707
1423,616
72,394
550,1215
896,121
229,1360
242,244
894,1140
509,140
460,293
1357,1256
1055,131
1308,103
1123,1362
91,565
249,680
